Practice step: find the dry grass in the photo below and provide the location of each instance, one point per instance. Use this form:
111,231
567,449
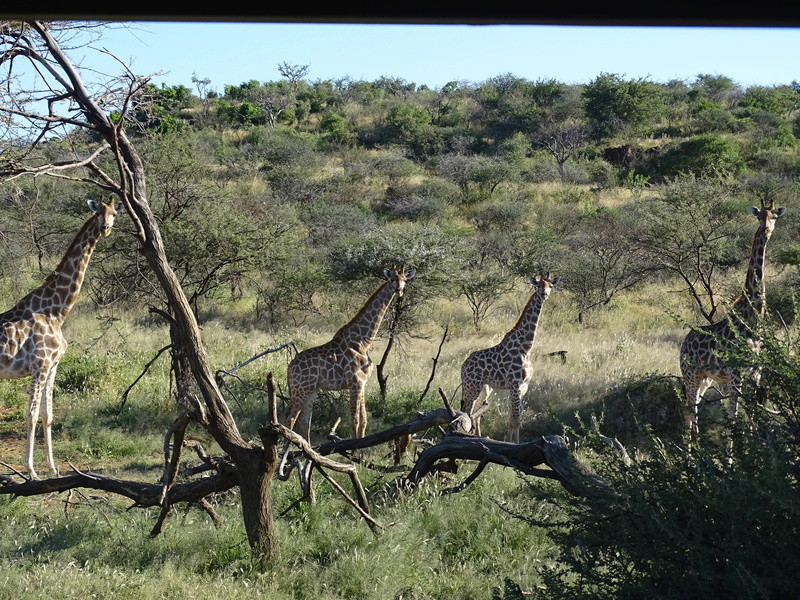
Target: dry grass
433,541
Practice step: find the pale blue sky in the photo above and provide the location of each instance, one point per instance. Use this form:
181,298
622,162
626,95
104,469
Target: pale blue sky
231,53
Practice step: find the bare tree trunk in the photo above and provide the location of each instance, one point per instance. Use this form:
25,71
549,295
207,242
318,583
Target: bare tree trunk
255,465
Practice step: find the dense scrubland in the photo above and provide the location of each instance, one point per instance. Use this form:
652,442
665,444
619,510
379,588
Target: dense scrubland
282,201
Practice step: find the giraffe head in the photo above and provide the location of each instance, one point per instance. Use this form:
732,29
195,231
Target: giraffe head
399,277
768,216
545,284
105,213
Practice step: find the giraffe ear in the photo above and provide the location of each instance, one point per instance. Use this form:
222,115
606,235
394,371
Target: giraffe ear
93,205
534,280
779,211
756,211
555,281
387,273
118,205
410,273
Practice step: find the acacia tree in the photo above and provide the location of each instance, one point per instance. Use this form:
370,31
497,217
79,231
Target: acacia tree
31,54
562,141
614,105
691,232
603,260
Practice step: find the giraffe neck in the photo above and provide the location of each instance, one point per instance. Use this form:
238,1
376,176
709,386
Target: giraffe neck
362,328
59,292
523,334
751,303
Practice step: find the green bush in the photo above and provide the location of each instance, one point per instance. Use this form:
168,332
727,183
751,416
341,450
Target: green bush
716,521
708,155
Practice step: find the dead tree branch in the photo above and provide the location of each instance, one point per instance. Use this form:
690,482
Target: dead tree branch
172,457
275,429
232,370
435,360
549,450
143,494
124,396
420,422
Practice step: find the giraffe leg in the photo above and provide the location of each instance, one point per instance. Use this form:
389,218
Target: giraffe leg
38,380
734,391
694,391
303,422
301,407
474,394
515,395
298,418
469,393
358,410
47,418
693,398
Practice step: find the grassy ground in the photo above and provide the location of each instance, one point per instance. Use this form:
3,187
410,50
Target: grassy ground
91,545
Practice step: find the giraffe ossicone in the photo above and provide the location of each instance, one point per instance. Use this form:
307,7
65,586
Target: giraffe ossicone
343,363
506,365
700,361
31,340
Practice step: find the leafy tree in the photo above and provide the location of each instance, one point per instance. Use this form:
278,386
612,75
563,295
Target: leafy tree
510,104
690,231
603,259
394,168
718,88
547,92
410,124
484,273
244,113
395,86
159,108
515,149
213,245
709,155
562,141
709,116
477,176
781,100
482,286
333,127
614,105
289,286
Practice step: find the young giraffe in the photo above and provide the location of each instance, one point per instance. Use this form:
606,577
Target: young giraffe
31,341
506,365
700,364
343,363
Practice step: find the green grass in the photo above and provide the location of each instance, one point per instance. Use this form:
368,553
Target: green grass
85,545
432,547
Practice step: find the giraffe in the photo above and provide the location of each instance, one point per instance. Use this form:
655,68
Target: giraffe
31,340
699,360
506,365
342,363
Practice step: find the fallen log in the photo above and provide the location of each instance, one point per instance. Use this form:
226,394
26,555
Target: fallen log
453,420
142,494
549,450
439,417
